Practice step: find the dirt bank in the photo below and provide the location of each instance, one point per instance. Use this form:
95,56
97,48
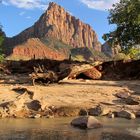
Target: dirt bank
70,96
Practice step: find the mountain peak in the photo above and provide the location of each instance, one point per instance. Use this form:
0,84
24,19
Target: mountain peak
53,5
56,23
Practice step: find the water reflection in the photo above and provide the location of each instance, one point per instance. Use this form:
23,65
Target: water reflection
59,129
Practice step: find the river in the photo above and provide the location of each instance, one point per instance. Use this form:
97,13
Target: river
60,129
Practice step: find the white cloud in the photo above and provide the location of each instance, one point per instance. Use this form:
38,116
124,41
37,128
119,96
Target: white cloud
5,3
21,13
99,4
28,4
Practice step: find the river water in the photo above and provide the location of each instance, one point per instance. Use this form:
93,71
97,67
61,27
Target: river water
60,129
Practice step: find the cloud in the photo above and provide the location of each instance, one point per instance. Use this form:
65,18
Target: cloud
4,3
28,17
28,4
99,4
21,13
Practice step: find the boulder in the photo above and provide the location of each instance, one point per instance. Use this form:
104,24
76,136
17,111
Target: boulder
93,74
98,111
126,114
86,122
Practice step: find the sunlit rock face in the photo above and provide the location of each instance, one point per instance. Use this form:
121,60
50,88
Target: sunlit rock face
56,24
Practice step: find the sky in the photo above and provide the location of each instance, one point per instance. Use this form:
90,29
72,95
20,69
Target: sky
17,15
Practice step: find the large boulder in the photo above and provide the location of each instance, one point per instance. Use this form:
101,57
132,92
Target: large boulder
85,122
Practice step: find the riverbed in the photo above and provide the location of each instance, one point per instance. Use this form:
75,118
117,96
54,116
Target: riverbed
60,129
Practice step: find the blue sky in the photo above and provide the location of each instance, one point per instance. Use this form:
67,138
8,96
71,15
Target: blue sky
17,15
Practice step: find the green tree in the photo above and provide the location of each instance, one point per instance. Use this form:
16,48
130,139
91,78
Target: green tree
2,35
126,16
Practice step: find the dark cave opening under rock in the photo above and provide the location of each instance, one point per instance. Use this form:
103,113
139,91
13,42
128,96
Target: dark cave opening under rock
83,76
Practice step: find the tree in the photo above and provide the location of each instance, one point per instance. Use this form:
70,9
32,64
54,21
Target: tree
126,16
2,35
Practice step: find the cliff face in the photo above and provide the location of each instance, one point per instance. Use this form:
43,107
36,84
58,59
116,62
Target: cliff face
34,48
109,50
58,24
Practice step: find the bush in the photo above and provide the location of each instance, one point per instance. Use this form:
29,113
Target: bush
121,56
134,53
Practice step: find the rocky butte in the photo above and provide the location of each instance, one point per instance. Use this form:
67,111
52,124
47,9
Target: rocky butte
53,36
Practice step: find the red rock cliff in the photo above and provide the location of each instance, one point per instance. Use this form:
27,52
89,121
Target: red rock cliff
58,24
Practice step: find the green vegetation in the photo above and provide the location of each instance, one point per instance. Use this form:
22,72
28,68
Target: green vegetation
133,52
57,45
129,53
1,41
79,58
126,16
17,58
87,54
77,54
121,56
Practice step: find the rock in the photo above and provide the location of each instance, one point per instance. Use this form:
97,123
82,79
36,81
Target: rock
30,47
98,111
83,112
34,105
132,101
54,24
126,114
86,122
123,95
93,74
109,50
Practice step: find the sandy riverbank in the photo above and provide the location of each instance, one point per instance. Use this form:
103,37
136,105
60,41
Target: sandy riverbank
69,96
